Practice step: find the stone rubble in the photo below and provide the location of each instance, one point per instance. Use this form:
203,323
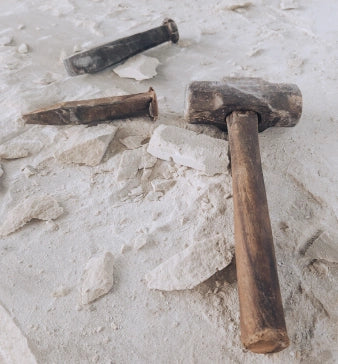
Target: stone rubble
187,148
97,278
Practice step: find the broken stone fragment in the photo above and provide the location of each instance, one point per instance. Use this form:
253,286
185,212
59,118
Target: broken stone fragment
234,5
87,145
324,247
14,345
43,207
97,278
61,291
133,141
191,266
162,185
134,160
6,40
142,240
185,147
139,67
29,142
23,48
288,4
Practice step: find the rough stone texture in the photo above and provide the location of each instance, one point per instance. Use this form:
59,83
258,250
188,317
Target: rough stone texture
97,277
13,344
6,40
42,207
132,161
142,240
23,48
191,266
1,171
324,247
185,147
27,143
87,145
289,4
133,141
139,67
234,5
161,184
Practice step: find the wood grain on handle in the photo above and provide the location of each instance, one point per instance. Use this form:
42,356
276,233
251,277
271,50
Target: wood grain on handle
262,324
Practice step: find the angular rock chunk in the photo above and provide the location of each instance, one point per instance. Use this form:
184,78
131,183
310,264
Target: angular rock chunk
133,141
6,40
97,277
289,4
191,266
87,145
324,247
132,161
185,147
27,143
14,345
234,5
139,67
23,48
42,207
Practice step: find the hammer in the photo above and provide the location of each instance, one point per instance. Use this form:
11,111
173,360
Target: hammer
243,107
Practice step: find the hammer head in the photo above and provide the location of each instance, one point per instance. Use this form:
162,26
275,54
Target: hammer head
277,104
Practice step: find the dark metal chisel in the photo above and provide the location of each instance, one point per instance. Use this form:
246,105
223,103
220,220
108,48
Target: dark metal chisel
106,55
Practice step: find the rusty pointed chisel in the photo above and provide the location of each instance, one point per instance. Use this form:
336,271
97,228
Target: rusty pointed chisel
106,55
96,110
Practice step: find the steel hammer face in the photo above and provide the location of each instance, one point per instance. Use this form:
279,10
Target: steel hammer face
243,107
210,102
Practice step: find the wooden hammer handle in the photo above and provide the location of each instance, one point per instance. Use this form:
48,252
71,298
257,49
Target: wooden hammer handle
261,312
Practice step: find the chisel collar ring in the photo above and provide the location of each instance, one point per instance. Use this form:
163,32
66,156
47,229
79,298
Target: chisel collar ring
172,29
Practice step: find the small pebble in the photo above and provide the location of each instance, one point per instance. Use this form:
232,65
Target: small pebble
23,48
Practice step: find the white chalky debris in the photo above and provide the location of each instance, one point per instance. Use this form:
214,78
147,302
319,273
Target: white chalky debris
14,345
6,40
60,8
42,207
124,248
142,240
1,171
77,48
48,78
324,247
139,67
133,141
28,143
23,48
87,145
61,291
97,278
191,266
234,5
185,147
161,184
134,160
29,171
289,4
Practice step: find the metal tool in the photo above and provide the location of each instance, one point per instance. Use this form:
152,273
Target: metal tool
96,110
109,54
